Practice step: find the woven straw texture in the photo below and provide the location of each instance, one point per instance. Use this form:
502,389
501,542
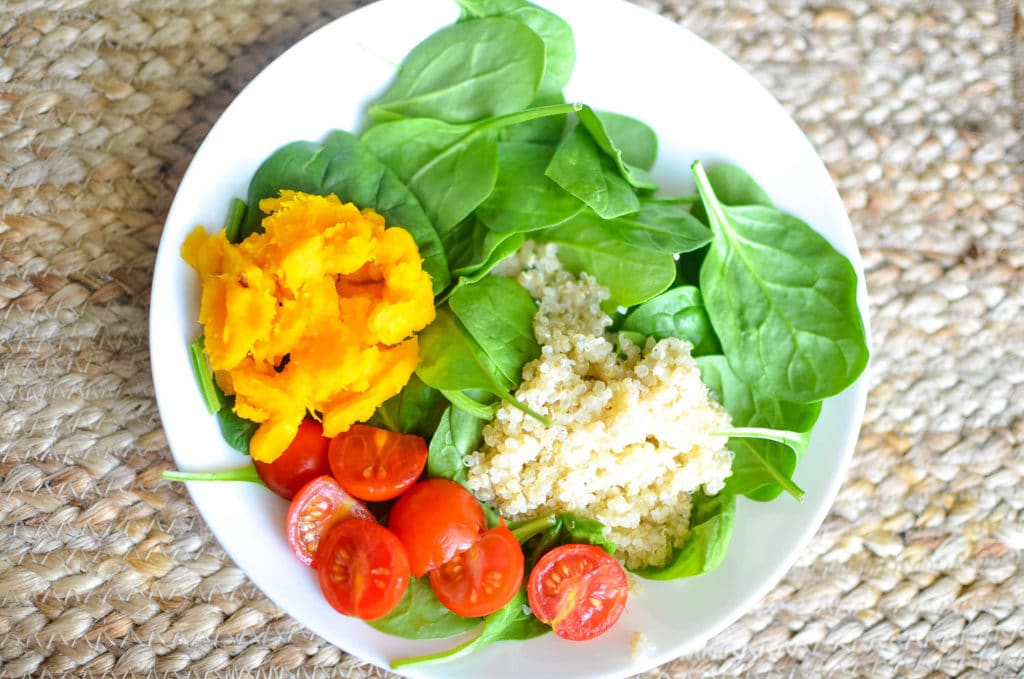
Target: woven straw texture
916,108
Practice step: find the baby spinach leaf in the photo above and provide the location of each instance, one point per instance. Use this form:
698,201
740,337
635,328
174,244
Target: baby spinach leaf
541,534
342,166
631,274
659,227
782,300
761,469
524,198
451,167
559,46
419,615
732,186
457,435
510,622
677,312
473,249
634,140
236,431
579,167
416,409
470,406
467,71
711,522
498,313
450,359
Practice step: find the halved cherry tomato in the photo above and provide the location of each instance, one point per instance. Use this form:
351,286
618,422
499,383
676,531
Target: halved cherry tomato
303,460
376,464
317,506
435,520
362,568
483,578
580,590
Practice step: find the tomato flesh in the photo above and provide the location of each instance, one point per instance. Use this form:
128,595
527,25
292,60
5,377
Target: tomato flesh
362,568
318,506
302,461
376,464
483,578
580,590
435,520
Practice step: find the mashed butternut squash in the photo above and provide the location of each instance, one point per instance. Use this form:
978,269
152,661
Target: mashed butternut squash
316,313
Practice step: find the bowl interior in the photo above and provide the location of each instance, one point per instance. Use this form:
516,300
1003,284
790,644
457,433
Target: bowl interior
703,106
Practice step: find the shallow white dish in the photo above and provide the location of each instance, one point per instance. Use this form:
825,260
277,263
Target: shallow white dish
703,106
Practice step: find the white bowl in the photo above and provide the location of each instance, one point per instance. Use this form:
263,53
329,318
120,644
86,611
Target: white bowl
703,106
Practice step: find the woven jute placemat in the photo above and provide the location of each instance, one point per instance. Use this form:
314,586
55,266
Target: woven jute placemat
916,108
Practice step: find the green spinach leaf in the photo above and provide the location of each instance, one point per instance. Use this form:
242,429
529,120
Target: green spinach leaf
632,275
473,249
524,198
659,227
677,312
559,46
415,410
498,313
633,140
782,300
419,615
457,435
579,167
711,522
450,359
510,622
342,166
761,469
451,167
466,71
233,223
237,431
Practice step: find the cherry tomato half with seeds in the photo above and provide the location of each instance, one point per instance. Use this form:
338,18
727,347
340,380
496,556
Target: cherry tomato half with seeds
318,506
435,520
580,590
303,460
376,464
483,578
362,568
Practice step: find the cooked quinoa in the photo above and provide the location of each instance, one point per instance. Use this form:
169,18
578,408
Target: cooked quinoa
633,433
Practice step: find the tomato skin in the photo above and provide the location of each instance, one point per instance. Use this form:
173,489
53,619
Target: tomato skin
483,578
319,505
580,590
435,520
376,464
303,460
362,568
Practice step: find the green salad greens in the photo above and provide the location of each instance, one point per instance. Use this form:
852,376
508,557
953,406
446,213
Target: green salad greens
473,149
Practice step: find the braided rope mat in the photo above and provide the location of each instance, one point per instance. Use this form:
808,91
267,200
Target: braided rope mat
916,107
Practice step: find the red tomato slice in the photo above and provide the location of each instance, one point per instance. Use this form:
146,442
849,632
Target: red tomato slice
362,568
376,464
580,590
317,506
483,578
302,461
435,520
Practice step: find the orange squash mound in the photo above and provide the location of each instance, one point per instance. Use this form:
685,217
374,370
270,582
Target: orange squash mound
317,313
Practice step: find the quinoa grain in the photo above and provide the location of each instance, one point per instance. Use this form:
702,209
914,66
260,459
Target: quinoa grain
633,435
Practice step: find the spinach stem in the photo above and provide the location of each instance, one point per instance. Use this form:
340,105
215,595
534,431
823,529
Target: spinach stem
201,370
233,224
527,528
470,406
241,474
528,115
442,656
